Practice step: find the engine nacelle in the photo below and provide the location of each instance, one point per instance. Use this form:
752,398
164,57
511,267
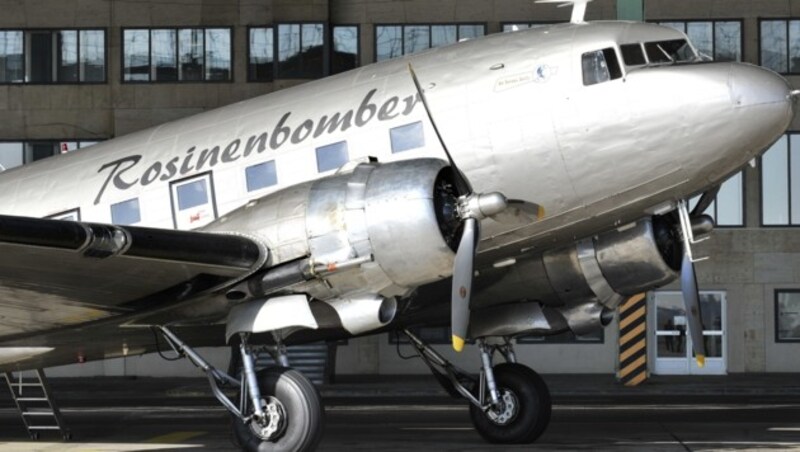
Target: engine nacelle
615,264
396,220
586,281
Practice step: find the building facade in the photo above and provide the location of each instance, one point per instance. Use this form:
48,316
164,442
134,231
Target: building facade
74,72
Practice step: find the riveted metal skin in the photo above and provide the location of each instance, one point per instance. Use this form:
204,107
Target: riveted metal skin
386,211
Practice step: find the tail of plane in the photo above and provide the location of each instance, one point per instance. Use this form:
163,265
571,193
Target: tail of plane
578,8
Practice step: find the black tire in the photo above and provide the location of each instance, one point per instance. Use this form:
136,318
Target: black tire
302,409
532,415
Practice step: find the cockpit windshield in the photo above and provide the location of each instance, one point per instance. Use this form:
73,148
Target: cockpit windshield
658,53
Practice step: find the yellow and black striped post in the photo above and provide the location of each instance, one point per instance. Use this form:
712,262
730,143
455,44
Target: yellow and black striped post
633,341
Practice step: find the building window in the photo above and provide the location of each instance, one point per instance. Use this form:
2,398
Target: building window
53,56
345,54
126,212
727,210
407,137
301,50
260,176
787,315
780,183
718,39
392,41
780,45
567,337
331,156
182,55
13,154
261,55
516,26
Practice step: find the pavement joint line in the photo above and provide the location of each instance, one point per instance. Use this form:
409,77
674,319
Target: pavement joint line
173,438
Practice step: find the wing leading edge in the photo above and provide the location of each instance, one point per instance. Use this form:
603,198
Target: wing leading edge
56,273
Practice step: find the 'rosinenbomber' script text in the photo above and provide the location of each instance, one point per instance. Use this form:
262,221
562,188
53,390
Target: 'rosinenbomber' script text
126,172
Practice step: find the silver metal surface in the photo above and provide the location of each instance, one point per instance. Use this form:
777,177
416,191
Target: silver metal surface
363,313
513,319
687,128
248,367
282,314
631,261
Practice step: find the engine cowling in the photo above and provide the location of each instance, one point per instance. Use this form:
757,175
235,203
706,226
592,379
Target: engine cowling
401,214
586,281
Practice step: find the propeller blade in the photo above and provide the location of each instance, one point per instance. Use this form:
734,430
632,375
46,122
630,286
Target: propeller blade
519,212
462,183
462,283
705,201
691,300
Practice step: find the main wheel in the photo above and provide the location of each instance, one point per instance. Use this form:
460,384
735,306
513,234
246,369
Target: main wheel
524,410
293,420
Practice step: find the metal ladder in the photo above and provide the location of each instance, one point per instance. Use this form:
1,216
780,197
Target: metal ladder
35,404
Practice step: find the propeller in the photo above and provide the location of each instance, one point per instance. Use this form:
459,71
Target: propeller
691,294
472,207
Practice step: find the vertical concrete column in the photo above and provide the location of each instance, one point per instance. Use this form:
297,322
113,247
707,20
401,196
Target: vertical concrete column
633,340
630,10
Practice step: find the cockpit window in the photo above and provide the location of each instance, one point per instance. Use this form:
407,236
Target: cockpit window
633,55
600,66
676,50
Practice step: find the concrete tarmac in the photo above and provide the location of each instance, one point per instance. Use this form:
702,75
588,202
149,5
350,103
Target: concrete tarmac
122,415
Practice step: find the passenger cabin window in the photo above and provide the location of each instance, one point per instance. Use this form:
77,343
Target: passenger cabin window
633,55
193,202
126,212
600,66
407,137
260,176
331,156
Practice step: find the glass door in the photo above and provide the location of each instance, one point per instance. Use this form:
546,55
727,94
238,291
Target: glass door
671,341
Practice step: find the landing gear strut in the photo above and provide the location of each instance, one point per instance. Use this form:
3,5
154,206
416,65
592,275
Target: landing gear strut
509,402
278,408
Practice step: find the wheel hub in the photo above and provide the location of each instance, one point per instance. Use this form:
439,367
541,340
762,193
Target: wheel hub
507,411
273,424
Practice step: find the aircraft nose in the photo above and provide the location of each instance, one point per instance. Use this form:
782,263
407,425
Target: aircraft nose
753,85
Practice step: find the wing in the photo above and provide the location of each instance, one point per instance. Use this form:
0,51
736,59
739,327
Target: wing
56,274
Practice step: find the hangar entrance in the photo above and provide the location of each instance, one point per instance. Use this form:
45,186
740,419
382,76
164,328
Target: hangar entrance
671,344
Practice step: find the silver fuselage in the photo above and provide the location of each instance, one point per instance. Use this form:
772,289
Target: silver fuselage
512,108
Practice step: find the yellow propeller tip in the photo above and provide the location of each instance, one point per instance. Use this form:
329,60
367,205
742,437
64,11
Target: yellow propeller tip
701,360
458,343
540,213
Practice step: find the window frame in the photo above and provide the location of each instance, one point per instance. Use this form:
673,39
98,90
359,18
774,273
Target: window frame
789,223
54,142
259,189
317,150
776,317
26,56
173,197
713,36
788,43
332,49
327,48
715,214
127,200
274,56
176,29
530,24
425,24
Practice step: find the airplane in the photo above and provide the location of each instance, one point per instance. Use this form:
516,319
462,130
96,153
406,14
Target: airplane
523,183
